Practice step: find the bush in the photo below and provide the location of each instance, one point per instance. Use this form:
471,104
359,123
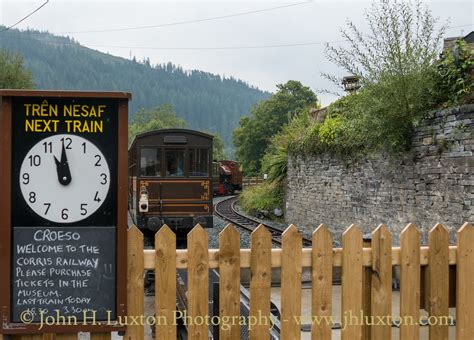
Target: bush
265,196
454,75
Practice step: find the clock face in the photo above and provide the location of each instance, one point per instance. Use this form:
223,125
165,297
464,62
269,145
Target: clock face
64,178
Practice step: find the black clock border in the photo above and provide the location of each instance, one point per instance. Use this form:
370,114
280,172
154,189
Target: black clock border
22,142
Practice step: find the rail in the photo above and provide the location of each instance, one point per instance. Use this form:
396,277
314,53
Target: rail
226,210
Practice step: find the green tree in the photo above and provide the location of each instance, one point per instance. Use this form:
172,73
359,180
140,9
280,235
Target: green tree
161,117
13,74
218,152
266,119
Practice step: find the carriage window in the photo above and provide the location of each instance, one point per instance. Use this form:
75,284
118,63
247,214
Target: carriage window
174,162
150,162
199,162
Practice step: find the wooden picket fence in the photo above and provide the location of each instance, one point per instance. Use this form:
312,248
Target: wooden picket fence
322,258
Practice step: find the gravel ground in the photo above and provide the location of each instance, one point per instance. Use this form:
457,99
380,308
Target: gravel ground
219,225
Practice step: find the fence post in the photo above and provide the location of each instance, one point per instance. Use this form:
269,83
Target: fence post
465,283
165,283
229,287
352,283
135,292
291,283
198,283
367,290
260,280
410,276
321,274
438,267
381,296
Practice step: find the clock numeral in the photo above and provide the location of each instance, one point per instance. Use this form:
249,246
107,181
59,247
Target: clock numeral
48,147
32,197
83,209
104,179
84,146
98,160
34,160
67,143
96,197
48,205
64,214
26,178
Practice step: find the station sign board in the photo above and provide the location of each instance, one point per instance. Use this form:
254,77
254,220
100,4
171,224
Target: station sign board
63,216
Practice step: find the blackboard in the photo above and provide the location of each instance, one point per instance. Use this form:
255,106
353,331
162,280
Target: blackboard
65,270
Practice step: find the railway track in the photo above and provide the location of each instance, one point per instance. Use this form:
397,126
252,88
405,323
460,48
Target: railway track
225,209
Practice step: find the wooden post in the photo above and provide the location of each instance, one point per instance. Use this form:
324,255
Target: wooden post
410,275
135,291
367,291
352,283
229,287
291,283
465,283
165,283
198,284
260,280
321,274
381,296
438,276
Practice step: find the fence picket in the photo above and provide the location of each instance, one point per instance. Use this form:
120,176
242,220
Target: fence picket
438,293
381,295
352,283
260,280
410,282
135,291
465,283
291,283
229,287
165,283
198,284
321,304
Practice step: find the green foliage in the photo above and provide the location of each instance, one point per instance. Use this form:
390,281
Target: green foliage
218,150
206,101
454,74
266,119
265,196
162,117
402,40
395,64
275,160
13,74
362,123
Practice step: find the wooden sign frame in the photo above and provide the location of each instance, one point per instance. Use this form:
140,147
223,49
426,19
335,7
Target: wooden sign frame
6,228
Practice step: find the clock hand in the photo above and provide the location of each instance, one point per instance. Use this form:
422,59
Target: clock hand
62,167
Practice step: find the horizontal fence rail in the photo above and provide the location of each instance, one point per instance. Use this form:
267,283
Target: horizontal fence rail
366,282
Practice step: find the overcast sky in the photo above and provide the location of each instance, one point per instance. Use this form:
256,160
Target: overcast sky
302,22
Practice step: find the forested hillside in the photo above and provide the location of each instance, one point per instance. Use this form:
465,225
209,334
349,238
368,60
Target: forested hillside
206,101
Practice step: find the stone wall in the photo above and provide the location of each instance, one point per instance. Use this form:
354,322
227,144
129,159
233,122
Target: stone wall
432,183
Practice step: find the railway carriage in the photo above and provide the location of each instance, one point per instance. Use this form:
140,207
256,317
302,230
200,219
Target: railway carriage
170,178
